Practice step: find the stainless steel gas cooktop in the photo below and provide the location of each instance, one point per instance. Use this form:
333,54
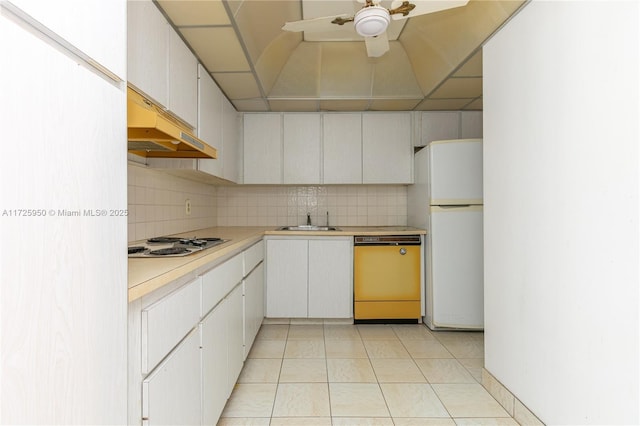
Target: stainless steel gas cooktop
173,246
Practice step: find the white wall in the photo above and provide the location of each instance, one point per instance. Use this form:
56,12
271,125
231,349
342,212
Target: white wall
561,210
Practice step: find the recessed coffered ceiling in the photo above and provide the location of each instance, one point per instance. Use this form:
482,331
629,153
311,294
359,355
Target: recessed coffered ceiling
434,61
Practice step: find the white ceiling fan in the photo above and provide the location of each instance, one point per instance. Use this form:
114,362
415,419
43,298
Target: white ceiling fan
371,20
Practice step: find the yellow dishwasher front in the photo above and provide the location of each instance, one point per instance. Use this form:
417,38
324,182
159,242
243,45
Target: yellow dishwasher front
387,277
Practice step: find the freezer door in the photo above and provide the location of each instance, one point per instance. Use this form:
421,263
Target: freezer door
455,169
455,280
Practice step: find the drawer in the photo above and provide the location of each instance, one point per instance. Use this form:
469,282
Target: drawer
252,256
219,281
167,321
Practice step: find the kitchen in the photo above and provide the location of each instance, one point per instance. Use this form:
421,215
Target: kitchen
530,317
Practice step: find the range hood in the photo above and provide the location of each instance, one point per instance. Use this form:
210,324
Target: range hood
153,132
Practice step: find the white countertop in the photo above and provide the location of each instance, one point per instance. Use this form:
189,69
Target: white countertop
148,274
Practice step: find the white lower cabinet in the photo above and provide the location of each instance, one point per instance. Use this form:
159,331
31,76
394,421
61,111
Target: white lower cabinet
253,306
188,342
214,363
287,278
309,277
171,393
235,331
330,284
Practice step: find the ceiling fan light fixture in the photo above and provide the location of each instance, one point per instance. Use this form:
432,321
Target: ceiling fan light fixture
371,21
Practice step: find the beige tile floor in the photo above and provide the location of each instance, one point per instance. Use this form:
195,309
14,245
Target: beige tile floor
345,374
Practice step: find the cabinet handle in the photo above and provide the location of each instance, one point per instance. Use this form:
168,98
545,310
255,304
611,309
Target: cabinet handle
403,251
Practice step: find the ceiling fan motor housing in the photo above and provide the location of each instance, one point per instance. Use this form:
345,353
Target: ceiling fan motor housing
371,21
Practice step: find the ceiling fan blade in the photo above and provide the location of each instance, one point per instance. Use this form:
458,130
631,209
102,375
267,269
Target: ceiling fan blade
317,24
422,7
377,46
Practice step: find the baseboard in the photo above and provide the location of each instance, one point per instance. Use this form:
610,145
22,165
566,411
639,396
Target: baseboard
509,402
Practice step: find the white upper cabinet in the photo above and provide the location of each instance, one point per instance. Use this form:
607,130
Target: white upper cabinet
95,27
342,148
301,148
446,125
230,141
147,50
262,151
387,150
471,125
183,80
439,125
331,148
210,121
159,63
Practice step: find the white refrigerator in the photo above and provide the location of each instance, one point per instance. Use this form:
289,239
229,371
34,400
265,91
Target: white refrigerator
446,200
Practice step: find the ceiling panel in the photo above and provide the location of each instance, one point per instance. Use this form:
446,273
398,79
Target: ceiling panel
260,67
218,48
472,67
475,105
466,87
260,22
345,71
195,12
238,85
251,105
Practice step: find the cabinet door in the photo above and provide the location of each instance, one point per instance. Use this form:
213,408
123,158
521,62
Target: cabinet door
171,395
253,306
183,80
301,148
230,141
471,124
330,278
210,121
147,46
235,335
439,125
262,148
286,278
342,148
387,151
215,389
167,321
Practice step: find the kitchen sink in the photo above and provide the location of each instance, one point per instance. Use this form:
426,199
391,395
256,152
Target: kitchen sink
308,228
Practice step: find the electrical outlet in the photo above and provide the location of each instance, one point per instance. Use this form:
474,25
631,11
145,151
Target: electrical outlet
187,207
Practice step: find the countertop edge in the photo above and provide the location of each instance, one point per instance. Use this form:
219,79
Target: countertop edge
145,287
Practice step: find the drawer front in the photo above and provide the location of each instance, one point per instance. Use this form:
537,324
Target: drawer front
252,256
167,321
219,281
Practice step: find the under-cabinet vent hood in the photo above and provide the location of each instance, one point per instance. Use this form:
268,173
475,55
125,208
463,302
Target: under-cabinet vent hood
152,132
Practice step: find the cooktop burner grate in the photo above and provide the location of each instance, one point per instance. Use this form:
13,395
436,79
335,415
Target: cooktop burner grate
173,246
169,251
164,240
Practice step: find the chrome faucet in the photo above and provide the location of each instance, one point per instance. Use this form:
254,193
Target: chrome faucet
308,219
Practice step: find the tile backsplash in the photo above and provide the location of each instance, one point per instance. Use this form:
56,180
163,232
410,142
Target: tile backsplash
157,204
348,205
